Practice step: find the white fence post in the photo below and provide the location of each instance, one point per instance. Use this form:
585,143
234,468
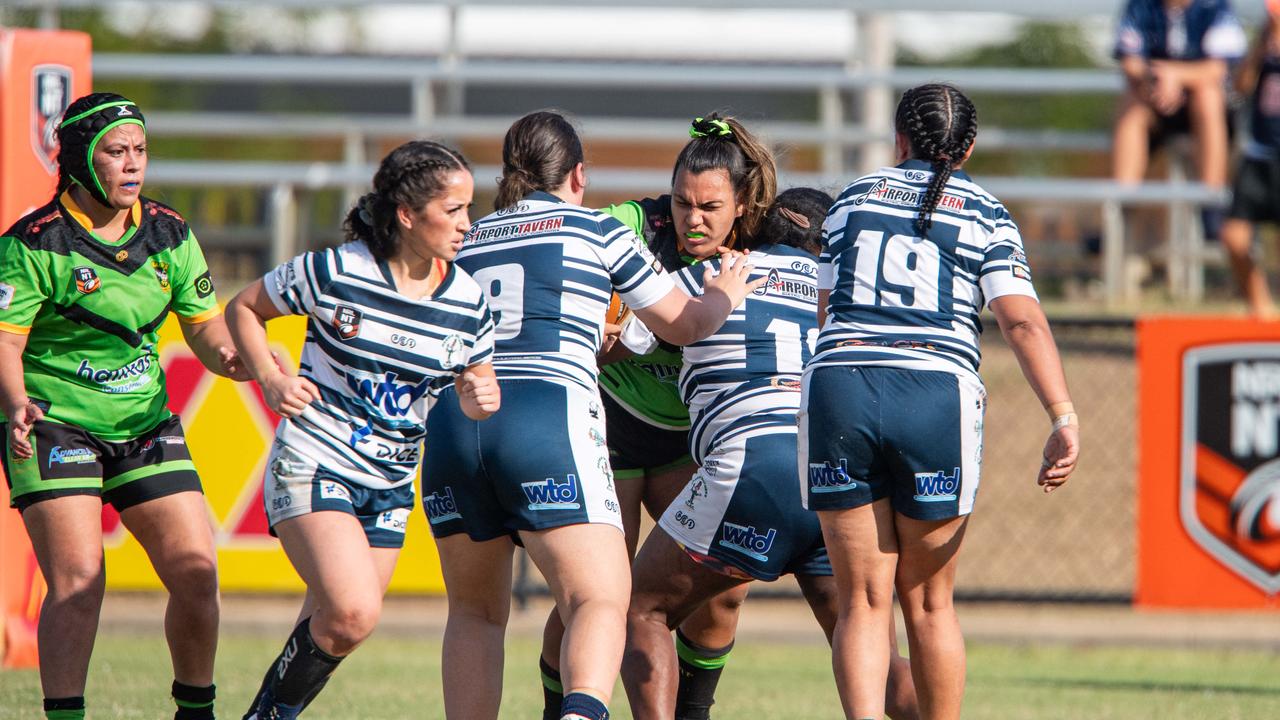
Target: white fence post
877,48
284,223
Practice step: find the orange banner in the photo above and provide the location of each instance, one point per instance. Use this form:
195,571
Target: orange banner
1209,477
41,72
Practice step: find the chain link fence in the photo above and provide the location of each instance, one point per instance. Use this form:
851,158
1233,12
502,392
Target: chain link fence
1077,543
1074,545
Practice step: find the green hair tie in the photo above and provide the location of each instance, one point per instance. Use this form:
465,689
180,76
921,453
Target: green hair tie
713,127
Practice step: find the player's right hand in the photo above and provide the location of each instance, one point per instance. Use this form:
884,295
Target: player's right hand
1061,451
732,278
21,420
288,395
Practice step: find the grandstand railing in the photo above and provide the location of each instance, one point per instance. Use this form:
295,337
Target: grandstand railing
832,132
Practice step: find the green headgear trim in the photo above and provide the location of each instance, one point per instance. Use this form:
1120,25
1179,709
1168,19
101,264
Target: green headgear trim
88,159
71,120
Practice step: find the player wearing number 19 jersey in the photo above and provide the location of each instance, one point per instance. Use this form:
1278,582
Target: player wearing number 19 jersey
901,301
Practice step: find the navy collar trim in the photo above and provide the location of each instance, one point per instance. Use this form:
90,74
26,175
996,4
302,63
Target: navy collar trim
918,164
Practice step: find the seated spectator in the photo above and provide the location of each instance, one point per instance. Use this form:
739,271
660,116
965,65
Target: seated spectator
1175,55
1256,195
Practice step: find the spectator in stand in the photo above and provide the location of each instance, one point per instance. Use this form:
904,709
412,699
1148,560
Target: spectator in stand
1175,55
1256,194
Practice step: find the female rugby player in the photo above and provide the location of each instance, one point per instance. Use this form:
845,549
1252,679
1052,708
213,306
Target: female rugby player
86,281
739,518
539,472
892,405
723,182
391,320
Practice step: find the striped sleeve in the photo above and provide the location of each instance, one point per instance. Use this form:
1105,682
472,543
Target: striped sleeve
1004,263
631,266
482,350
294,286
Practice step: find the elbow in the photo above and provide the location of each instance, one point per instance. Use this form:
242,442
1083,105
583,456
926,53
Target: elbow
1023,330
680,336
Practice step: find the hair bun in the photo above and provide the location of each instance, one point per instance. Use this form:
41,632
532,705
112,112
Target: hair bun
710,127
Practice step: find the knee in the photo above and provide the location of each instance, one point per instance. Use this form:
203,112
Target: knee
348,626
640,614
195,581
926,606
78,584
730,602
492,611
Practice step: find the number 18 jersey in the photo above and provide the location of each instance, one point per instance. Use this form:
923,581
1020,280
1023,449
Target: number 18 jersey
900,300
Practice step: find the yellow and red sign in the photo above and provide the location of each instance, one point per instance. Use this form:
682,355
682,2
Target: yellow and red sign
229,429
1209,488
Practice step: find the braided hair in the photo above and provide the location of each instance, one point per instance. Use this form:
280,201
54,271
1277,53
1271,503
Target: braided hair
538,153
722,143
794,219
410,176
940,124
84,123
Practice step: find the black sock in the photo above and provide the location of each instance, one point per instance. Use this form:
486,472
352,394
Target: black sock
298,673
194,703
69,708
700,670
552,690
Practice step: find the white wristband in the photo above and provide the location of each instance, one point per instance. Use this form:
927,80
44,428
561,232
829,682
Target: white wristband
1064,420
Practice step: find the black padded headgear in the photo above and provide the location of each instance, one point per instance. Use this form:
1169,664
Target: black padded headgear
84,123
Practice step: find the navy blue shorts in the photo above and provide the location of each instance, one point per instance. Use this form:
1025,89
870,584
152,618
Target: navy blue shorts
296,485
540,462
912,436
742,509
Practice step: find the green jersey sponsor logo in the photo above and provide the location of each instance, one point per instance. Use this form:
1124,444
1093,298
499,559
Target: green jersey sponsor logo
6,296
123,379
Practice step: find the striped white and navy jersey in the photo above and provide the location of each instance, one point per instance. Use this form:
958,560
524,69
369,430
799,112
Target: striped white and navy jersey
899,300
379,358
548,269
745,377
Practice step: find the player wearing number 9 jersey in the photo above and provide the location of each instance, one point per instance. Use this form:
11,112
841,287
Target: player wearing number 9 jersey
892,405
539,470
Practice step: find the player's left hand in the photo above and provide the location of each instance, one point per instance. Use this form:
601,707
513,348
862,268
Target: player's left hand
478,394
1061,451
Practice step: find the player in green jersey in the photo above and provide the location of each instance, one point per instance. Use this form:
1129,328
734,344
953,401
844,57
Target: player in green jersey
723,182
86,281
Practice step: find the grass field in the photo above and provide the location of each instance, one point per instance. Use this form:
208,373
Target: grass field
399,677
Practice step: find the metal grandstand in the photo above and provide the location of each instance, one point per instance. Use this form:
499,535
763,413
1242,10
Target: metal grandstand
849,130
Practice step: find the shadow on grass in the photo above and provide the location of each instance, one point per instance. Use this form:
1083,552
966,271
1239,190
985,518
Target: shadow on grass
1129,685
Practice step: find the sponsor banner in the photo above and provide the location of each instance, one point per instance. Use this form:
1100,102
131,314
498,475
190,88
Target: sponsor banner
229,431
1209,482
41,72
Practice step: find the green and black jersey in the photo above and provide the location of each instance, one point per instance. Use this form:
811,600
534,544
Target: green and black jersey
92,310
647,385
